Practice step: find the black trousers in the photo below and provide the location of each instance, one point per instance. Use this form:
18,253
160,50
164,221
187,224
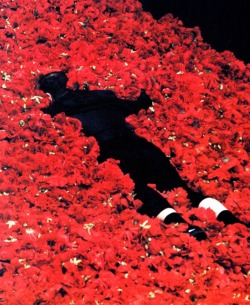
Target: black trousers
146,164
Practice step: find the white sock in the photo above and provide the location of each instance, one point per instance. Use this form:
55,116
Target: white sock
164,213
213,204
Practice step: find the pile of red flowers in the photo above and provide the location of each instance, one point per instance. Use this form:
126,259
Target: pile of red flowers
70,233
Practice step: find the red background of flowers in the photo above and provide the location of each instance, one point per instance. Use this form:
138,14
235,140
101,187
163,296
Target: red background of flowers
70,233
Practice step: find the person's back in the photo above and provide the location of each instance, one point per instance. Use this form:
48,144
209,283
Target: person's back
100,112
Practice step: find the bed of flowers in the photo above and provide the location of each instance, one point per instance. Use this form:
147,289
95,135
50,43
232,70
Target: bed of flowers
70,233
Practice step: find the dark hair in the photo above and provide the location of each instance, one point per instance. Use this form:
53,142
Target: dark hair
52,82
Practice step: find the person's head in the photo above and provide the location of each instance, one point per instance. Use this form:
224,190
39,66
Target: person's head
53,82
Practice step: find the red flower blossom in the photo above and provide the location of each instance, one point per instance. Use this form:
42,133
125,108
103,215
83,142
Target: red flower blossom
69,226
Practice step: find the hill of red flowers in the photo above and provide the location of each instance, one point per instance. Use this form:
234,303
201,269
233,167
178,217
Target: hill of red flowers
70,233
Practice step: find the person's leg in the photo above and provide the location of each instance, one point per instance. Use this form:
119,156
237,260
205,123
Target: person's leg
221,212
147,164
131,154
128,150
162,210
153,202
167,178
134,160
157,169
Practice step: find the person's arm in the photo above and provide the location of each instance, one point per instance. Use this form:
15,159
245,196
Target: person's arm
128,106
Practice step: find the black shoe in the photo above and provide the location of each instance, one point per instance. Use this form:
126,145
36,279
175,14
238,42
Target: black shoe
228,218
194,231
197,233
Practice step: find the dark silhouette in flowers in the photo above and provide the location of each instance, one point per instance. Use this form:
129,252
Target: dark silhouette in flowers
102,115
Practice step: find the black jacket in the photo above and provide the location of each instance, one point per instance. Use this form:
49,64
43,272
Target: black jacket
101,112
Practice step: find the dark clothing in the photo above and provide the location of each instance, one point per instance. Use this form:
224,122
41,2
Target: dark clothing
146,164
103,116
101,113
